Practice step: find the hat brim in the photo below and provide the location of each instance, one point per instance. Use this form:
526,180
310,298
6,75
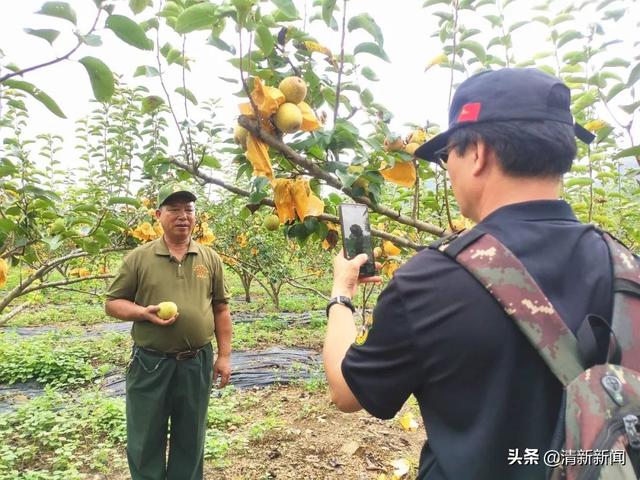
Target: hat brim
181,193
427,150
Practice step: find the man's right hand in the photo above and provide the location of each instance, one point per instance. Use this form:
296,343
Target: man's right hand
150,315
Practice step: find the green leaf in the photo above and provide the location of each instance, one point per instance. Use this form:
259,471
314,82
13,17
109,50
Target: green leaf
101,78
372,49
583,101
151,103
366,22
44,33
581,181
566,37
197,17
287,8
147,71
36,93
264,40
129,32
91,40
149,24
369,74
474,47
429,3
366,97
124,201
185,92
60,10
615,90
328,7
634,75
219,43
616,62
632,107
209,161
137,6
628,152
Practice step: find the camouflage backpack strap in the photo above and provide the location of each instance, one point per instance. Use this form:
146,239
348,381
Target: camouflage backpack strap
626,301
509,282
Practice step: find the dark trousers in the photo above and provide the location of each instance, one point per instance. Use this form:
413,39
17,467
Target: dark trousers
160,388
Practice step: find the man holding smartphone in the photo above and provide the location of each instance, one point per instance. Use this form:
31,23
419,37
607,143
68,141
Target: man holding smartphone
436,333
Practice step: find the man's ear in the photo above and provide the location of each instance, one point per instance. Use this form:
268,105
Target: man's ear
158,212
483,157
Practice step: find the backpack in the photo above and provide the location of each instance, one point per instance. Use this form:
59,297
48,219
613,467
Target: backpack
598,431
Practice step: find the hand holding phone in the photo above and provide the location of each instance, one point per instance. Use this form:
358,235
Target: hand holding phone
356,235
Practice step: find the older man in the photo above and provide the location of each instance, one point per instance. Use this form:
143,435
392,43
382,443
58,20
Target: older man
171,371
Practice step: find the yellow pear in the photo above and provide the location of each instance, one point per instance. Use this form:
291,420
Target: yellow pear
294,89
288,118
240,135
272,222
411,148
167,310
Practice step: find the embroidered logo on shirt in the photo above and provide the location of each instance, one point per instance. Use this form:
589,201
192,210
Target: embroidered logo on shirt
201,271
363,333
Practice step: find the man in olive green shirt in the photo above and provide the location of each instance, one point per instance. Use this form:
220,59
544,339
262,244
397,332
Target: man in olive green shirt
171,370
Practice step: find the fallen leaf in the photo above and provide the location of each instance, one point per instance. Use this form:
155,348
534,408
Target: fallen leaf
408,422
400,468
350,448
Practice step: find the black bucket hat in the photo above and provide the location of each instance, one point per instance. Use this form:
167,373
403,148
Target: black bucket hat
503,95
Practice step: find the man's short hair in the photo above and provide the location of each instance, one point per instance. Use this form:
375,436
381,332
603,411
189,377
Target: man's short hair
524,148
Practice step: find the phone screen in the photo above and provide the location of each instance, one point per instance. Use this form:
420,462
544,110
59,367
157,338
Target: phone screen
356,235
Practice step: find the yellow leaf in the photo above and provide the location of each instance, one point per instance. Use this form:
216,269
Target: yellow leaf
79,272
4,269
306,202
267,99
437,60
595,125
402,173
390,249
316,47
389,268
408,423
283,199
254,251
418,136
242,240
258,155
400,468
245,109
309,120
157,228
147,229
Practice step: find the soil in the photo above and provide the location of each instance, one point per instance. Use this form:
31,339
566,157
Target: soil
316,441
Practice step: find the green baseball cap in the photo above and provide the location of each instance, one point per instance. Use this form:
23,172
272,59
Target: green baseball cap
174,189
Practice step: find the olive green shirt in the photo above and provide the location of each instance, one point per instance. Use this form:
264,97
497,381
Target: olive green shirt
150,275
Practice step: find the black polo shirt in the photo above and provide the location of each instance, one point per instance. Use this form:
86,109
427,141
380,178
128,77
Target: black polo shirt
481,386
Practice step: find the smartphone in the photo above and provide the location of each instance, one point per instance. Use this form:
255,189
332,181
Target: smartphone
356,235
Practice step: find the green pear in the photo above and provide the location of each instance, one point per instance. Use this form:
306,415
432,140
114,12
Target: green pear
167,310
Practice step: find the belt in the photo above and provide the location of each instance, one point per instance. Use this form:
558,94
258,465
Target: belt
184,355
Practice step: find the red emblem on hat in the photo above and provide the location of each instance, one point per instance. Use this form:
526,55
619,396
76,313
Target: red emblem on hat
470,112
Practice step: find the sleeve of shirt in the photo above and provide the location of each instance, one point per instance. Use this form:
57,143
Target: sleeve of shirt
125,283
383,371
220,294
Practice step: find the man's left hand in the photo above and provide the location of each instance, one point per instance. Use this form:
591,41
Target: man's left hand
222,371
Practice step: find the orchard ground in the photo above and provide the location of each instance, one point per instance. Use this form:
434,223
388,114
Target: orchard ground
58,423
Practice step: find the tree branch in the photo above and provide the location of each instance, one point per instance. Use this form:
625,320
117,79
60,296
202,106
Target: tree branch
399,241
55,60
315,171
